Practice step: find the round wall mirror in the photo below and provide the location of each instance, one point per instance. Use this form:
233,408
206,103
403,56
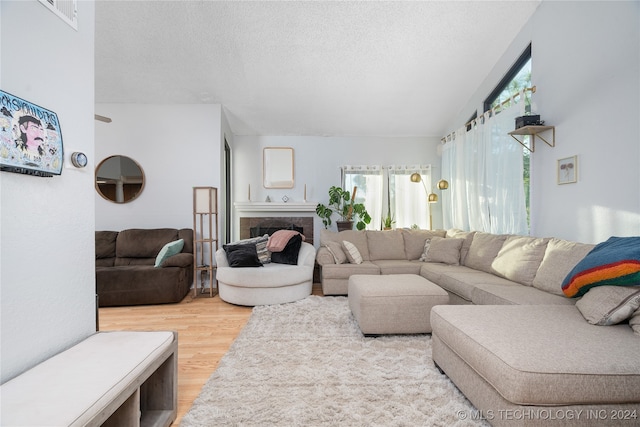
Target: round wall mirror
119,179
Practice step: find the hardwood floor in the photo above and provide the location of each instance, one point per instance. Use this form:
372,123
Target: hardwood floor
206,329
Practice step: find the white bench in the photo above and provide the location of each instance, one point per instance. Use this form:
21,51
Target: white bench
111,378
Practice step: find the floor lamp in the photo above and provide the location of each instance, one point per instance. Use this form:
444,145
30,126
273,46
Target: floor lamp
431,197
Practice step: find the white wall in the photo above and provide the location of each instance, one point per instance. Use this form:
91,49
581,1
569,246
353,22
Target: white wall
585,64
47,283
317,162
178,148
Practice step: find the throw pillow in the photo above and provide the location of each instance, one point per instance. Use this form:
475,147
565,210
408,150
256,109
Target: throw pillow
289,255
427,245
634,321
353,255
615,262
609,305
170,249
335,249
244,255
261,247
446,251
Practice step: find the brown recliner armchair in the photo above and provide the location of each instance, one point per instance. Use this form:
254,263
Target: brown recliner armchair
125,271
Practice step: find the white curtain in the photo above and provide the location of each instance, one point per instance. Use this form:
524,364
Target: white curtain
369,183
485,169
408,200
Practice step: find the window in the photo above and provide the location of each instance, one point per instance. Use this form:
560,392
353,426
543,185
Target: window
517,79
369,183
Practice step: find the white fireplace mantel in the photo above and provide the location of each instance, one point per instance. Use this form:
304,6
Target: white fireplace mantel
275,206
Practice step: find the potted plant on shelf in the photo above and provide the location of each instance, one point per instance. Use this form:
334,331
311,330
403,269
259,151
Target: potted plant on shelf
343,203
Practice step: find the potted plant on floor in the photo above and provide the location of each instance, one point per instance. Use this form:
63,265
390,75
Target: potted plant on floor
343,203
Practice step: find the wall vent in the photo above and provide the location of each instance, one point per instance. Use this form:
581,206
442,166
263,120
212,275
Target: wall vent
67,10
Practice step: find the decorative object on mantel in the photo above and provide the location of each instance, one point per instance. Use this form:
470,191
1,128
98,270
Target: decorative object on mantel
432,197
268,199
304,197
249,193
568,170
285,198
343,203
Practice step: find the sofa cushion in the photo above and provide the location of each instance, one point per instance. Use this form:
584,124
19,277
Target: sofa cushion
519,258
516,294
143,243
169,250
344,271
398,266
483,250
414,241
352,252
468,238
106,244
463,282
446,251
432,271
609,305
385,245
614,262
522,352
559,258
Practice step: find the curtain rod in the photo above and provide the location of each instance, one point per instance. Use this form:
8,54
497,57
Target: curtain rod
531,89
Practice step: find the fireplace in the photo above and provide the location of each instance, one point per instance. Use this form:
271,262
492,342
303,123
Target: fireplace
259,226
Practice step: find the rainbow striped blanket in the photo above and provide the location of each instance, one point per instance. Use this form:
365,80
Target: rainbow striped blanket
615,262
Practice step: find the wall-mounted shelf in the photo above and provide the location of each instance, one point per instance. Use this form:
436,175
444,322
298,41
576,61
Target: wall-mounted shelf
534,131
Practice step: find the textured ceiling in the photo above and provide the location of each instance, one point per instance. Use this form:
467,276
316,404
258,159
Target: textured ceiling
306,68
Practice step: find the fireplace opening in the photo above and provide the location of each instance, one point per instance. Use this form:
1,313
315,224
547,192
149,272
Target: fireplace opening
261,230
259,226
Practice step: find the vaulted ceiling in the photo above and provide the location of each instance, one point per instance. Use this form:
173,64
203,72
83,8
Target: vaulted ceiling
306,68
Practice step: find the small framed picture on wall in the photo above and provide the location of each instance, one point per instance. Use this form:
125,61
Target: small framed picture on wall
568,170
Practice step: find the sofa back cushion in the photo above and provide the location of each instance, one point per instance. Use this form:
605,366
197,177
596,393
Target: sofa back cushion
483,250
141,246
559,259
105,248
519,258
468,238
385,245
414,241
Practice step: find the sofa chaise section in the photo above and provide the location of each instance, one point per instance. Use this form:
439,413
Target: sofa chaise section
515,358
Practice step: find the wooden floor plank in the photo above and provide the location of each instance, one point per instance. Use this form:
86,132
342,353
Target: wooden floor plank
206,329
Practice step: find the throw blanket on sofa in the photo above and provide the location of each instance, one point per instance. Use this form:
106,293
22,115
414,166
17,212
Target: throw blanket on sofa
278,240
614,262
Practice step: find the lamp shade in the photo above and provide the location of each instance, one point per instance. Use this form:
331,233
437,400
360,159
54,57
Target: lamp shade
433,198
415,177
203,199
443,184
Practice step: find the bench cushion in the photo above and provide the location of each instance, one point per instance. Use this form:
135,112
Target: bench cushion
70,388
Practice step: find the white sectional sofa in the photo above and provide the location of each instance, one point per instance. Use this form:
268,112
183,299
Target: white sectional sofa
520,350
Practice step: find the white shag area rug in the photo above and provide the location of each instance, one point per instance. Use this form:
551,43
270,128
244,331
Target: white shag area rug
307,364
